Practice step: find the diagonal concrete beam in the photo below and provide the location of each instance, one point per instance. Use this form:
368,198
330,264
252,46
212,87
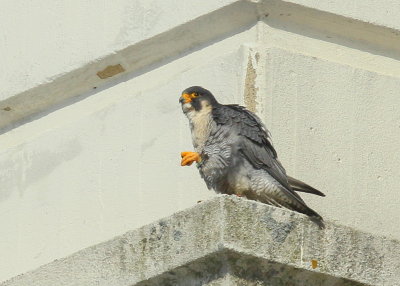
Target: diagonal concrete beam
225,241
367,25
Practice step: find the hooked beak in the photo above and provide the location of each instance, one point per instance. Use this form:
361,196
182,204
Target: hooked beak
185,98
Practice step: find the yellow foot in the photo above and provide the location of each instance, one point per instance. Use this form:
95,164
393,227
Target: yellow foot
189,157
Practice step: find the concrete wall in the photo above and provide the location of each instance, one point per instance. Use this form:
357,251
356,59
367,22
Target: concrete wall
84,159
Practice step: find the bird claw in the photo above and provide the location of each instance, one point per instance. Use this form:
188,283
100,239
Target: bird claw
189,157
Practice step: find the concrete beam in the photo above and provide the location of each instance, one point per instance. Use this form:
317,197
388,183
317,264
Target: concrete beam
137,57
29,90
228,240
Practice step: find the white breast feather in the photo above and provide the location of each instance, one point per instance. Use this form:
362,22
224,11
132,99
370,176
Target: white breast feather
200,125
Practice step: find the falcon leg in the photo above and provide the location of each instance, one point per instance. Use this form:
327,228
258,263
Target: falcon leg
189,157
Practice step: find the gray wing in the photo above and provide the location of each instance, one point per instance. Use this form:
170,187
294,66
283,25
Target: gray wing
255,141
256,147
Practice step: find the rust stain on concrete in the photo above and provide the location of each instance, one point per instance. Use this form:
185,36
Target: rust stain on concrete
110,71
314,263
250,91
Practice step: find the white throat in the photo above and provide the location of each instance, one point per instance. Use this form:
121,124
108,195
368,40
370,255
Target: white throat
200,124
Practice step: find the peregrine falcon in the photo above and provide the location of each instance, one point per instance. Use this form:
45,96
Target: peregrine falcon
235,155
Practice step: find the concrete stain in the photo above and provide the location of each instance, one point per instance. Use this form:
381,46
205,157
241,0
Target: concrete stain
146,145
314,263
30,165
279,230
110,71
10,174
250,90
177,235
40,165
122,254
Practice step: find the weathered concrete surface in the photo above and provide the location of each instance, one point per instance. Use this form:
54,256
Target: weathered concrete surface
228,241
323,75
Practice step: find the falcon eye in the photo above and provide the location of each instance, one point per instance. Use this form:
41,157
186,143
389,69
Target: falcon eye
195,94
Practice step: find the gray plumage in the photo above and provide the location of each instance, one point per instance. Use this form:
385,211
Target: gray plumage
237,155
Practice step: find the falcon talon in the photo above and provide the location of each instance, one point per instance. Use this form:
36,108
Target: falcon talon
237,154
189,157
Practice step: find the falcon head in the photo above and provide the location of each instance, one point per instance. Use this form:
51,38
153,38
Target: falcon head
196,98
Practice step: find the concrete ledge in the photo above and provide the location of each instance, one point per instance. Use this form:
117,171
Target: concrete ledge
225,241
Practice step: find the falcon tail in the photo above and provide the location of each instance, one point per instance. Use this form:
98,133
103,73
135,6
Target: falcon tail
315,218
300,186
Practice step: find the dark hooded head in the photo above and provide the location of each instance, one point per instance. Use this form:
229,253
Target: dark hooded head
195,98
